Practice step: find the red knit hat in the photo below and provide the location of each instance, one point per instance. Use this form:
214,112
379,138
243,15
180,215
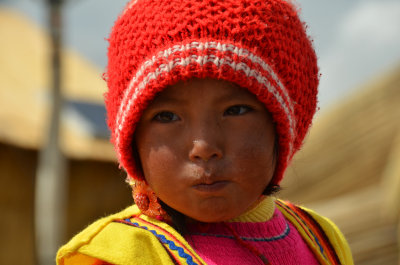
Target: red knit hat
260,45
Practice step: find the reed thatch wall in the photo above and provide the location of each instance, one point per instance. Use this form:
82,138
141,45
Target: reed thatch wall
349,169
96,189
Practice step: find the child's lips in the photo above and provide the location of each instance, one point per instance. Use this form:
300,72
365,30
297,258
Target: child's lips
207,180
214,186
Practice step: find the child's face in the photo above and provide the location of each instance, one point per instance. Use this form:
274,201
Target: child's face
206,148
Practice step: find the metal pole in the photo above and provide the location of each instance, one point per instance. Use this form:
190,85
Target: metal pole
50,190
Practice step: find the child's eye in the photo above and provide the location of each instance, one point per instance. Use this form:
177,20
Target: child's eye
237,110
165,117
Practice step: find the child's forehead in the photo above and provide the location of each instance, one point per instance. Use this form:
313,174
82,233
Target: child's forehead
208,88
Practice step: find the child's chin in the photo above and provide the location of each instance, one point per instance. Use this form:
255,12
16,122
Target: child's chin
213,217
211,220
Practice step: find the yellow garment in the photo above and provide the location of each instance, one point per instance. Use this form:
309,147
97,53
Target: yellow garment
261,212
117,243
335,236
80,259
120,244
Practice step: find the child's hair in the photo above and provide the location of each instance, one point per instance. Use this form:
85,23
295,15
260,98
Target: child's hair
259,45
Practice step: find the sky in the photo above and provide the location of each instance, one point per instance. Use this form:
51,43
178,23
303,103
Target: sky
355,40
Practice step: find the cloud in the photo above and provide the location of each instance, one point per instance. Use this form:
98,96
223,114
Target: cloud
378,22
366,42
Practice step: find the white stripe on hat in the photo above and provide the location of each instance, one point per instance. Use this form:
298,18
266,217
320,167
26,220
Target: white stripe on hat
127,101
204,46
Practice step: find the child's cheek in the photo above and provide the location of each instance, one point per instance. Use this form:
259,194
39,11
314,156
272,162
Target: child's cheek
251,141
160,160
251,148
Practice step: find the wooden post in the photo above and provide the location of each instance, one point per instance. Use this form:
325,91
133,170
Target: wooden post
51,183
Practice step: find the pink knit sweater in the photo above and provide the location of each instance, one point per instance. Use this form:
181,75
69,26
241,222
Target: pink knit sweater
276,239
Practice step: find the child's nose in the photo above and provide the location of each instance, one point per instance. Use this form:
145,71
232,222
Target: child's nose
203,150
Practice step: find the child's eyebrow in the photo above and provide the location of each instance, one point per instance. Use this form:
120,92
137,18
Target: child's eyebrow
234,97
159,101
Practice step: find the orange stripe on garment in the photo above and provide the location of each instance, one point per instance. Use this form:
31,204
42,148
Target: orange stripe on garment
82,259
299,221
318,231
175,258
305,232
100,262
172,254
165,232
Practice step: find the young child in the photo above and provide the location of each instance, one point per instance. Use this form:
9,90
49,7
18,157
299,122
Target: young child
208,101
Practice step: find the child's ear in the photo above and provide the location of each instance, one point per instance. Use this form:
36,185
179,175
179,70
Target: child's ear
271,189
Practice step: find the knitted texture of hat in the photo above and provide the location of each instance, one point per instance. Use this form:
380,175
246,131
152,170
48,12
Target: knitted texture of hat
259,45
